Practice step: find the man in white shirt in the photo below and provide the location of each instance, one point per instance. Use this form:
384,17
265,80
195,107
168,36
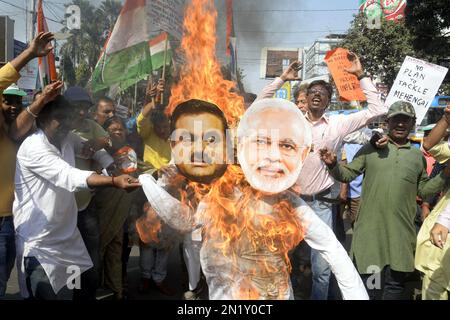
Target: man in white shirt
51,254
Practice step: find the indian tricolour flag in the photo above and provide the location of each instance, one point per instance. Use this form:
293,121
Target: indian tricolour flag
157,50
125,58
47,69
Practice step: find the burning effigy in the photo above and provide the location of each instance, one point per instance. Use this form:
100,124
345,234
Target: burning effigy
244,215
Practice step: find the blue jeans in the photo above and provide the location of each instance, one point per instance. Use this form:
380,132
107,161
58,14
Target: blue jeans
320,268
153,263
7,251
90,232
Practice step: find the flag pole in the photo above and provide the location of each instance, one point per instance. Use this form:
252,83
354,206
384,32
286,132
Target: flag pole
164,65
149,87
135,98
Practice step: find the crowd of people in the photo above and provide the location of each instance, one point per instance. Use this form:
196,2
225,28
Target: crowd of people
82,182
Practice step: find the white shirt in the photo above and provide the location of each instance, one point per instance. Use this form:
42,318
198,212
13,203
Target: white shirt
45,211
222,274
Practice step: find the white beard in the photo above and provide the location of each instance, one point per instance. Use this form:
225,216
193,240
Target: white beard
269,185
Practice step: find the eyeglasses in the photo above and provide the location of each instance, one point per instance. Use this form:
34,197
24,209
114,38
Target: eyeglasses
317,91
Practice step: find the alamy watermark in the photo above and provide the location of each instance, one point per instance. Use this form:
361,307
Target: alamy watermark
73,17
74,278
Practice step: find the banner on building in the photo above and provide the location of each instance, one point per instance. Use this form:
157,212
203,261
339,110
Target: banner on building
389,9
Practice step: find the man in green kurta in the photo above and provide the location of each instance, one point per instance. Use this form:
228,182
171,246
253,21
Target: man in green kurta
384,235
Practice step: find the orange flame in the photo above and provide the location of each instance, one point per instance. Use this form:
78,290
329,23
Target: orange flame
256,243
201,77
148,226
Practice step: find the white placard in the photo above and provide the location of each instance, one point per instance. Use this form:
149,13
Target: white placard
417,82
28,75
167,15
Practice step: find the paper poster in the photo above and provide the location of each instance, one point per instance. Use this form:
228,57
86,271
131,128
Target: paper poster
417,82
29,75
346,83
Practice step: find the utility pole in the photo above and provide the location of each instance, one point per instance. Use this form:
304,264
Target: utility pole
27,17
31,20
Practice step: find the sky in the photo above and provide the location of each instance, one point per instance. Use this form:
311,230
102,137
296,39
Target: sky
53,9
283,24
258,24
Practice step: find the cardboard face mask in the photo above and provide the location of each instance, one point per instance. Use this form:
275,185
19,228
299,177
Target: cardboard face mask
199,141
274,139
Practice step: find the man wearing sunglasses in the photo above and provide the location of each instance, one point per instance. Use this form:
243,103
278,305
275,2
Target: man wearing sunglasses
315,182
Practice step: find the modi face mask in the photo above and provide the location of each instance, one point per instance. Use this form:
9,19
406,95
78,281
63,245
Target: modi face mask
273,141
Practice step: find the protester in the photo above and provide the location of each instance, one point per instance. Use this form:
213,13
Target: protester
112,207
384,233
156,241
95,139
425,206
315,182
48,243
104,109
153,127
11,131
300,93
12,102
432,251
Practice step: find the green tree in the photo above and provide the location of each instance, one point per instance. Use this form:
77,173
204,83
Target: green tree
383,50
109,10
424,34
429,21
81,51
82,73
67,70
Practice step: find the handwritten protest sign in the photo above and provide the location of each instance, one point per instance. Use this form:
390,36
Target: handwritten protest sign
167,15
346,83
417,82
